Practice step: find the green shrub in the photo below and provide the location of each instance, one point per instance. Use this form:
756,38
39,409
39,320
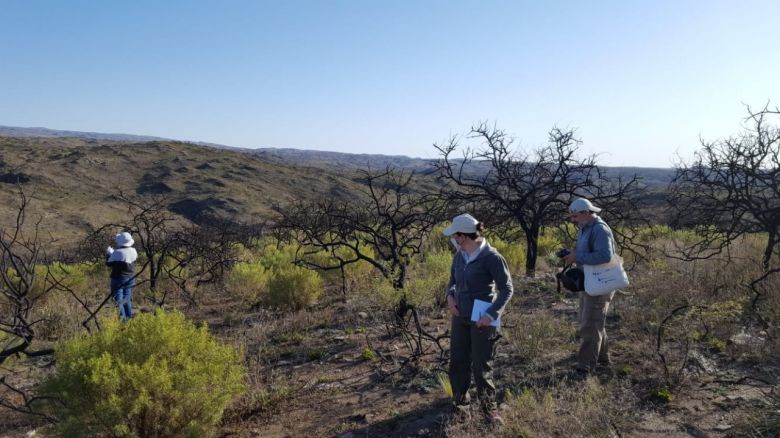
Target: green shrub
717,344
549,243
156,375
293,287
661,395
315,354
248,282
367,354
293,338
513,252
427,281
278,257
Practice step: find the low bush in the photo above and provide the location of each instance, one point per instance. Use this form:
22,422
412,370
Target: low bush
513,252
248,282
293,287
156,375
428,281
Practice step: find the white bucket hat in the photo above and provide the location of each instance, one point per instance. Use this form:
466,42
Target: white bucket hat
464,223
124,239
582,204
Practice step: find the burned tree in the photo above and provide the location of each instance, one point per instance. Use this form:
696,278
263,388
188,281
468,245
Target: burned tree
384,228
153,227
24,282
530,189
203,254
731,189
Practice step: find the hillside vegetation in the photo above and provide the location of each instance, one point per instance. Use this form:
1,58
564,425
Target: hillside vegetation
73,180
332,320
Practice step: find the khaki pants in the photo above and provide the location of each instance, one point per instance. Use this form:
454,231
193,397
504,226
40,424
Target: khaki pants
472,350
593,335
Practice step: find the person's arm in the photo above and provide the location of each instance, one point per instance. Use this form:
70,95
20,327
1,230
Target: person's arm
601,241
451,301
109,253
501,276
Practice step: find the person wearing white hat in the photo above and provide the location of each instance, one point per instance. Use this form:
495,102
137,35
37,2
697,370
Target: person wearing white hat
595,245
122,263
478,272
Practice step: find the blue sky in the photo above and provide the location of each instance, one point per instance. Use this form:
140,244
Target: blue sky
640,81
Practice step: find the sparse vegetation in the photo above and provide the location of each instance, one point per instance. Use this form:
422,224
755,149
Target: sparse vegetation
323,349
157,375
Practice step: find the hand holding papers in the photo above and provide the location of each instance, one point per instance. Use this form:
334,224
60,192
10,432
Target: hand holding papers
479,310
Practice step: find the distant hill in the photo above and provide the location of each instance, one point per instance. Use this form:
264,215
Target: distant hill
72,175
71,180
340,160
13,131
333,161
652,177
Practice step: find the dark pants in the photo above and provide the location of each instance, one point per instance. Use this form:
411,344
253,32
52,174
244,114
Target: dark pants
472,350
593,334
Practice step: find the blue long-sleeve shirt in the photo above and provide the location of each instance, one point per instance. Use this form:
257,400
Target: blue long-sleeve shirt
595,243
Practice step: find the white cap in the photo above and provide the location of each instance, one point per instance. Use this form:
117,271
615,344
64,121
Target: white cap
464,223
582,204
124,239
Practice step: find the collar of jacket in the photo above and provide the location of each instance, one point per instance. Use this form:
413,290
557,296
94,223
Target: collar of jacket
593,223
482,252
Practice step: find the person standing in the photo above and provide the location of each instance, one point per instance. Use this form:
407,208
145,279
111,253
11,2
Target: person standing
595,245
478,272
122,263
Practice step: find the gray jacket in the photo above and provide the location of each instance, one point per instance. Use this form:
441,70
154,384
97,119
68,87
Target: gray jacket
479,279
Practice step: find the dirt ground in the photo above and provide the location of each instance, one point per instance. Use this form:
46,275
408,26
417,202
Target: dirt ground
324,384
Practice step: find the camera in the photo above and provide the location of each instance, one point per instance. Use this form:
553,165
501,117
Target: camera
563,252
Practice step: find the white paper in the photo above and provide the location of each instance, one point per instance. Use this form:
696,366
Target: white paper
480,309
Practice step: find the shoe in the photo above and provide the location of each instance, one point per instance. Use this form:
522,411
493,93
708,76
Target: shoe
580,374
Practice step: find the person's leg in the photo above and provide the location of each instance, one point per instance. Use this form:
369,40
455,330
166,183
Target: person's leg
483,342
128,298
592,319
604,347
118,294
460,360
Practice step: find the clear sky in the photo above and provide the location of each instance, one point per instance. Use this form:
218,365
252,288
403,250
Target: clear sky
641,81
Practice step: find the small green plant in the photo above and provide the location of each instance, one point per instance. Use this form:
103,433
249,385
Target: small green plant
293,338
266,399
367,354
156,375
717,344
661,394
624,371
315,354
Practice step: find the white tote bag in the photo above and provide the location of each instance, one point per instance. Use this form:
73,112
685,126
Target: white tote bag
605,278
